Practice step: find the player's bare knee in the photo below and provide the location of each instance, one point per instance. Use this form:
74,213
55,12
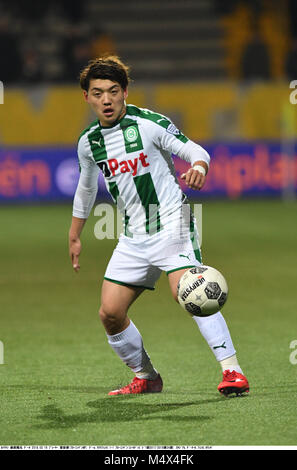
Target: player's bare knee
107,314
173,288
112,319
174,279
174,295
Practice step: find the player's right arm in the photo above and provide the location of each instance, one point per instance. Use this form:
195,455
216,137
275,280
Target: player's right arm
83,202
74,241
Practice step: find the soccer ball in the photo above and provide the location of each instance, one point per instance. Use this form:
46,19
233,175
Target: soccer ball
202,291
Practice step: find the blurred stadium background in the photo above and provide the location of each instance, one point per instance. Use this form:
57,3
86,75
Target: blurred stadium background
220,70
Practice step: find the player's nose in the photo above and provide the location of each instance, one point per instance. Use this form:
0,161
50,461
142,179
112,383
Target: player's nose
106,99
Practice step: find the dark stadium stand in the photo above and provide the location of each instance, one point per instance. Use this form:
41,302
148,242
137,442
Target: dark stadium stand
166,40
162,40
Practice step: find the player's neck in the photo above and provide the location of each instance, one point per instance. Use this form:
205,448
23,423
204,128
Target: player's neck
116,121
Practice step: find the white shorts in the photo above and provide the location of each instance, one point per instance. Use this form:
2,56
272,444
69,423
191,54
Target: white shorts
140,262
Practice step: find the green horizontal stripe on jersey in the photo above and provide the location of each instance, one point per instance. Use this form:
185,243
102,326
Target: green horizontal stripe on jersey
94,123
157,118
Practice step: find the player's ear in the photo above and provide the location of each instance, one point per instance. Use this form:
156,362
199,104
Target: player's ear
126,93
85,95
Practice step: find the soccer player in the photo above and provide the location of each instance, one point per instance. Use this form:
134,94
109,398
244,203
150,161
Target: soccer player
133,148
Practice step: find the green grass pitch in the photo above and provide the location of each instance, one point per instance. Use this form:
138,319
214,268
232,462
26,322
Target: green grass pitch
58,367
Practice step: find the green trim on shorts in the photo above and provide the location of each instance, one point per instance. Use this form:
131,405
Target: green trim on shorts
182,267
126,284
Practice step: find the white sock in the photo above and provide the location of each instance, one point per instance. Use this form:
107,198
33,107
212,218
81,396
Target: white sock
215,331
128,346
231,363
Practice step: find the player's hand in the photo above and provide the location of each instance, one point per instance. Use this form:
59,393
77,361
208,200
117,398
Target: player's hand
194,179
74,252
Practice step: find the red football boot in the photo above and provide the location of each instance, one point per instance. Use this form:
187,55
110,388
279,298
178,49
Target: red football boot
233,382
140,386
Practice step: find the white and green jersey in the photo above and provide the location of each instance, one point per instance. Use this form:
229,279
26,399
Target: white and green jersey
135,157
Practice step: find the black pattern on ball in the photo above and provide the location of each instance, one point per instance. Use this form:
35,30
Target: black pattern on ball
193,309
198,270
222,299
212,290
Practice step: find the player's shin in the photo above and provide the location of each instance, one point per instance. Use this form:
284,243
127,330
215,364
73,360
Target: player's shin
128,345
215,331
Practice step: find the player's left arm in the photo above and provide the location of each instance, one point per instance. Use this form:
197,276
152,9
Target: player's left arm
195,177
172,140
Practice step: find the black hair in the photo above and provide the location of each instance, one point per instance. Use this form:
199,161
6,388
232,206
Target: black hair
105,68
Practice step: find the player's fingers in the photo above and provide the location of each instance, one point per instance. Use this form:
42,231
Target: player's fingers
199,183
202,181
187,176
76,267
75,263
191,178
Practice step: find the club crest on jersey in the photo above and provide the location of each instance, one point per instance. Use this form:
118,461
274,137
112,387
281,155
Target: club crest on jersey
131,134
132,138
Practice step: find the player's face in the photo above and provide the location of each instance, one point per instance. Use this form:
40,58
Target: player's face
107,99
